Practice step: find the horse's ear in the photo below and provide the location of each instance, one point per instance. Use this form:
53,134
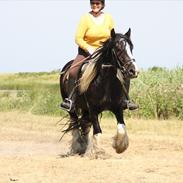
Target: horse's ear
128,33
113,34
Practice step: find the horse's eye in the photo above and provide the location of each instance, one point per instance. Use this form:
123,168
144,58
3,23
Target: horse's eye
118,45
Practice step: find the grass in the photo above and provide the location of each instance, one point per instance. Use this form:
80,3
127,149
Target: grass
171,127
37,93
48,126
158,91
18,126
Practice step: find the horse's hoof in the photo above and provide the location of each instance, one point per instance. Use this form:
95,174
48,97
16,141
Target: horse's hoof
120,143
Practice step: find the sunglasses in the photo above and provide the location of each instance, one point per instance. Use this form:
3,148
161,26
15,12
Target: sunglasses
96,3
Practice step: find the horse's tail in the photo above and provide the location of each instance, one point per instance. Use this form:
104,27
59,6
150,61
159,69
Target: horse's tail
87,77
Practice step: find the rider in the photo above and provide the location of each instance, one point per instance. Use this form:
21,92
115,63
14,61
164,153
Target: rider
94,29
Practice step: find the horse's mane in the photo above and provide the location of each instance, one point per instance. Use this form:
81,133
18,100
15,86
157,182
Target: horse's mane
94,62
101,56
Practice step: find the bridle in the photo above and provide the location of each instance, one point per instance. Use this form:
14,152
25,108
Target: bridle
123,67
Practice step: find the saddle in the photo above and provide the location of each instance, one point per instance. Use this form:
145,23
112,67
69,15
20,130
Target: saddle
81,69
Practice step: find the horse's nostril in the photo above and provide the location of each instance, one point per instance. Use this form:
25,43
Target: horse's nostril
132,72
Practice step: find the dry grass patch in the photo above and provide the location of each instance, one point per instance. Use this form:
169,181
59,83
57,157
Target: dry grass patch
25,126
155,127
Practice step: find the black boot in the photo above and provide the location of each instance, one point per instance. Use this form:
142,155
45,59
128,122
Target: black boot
127,104
131,105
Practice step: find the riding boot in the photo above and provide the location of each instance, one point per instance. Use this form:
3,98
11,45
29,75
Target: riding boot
69,103
127,103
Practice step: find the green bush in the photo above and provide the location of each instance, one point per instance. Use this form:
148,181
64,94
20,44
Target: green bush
158,91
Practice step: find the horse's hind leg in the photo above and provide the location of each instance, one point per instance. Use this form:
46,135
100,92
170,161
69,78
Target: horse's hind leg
75,141
80,135
85,127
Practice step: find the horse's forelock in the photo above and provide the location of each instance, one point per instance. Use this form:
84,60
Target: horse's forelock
127,39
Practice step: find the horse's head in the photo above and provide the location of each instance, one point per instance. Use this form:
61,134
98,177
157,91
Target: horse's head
122,51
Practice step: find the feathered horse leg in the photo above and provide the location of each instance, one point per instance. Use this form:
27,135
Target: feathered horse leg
80,136
120,143
94,149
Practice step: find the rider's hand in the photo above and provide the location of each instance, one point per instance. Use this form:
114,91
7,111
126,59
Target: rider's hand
91,50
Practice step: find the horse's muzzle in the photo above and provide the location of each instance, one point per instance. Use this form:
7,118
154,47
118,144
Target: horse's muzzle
133,73
133,70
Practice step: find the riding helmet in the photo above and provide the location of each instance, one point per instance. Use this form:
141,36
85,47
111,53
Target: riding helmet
102,1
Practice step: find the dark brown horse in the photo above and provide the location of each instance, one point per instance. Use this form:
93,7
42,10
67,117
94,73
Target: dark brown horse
101,86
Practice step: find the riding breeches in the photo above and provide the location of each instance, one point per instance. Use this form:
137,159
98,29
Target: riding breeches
73,71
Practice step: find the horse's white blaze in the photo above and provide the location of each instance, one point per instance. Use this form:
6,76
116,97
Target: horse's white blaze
132,57
129,51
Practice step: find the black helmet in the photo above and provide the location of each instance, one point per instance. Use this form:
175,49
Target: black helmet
102,1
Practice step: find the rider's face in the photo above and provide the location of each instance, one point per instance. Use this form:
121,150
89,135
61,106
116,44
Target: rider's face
96,6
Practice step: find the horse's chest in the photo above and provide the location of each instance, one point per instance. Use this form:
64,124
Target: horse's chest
107,92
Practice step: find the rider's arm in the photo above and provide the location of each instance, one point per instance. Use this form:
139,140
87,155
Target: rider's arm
80,33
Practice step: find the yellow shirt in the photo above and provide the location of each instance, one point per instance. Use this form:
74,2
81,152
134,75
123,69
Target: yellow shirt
90,33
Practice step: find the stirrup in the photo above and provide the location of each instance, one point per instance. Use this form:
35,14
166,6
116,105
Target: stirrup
69,101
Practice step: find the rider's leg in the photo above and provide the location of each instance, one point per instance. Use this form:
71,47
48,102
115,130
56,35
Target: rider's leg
127,103
73,70
69,103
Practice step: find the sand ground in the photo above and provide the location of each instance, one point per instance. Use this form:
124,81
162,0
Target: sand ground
30,152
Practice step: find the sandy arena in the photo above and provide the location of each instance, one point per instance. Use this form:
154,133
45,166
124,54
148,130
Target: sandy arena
30,152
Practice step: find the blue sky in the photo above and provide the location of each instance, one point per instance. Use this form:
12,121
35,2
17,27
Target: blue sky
38,35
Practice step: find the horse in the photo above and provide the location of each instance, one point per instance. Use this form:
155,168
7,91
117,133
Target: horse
101,86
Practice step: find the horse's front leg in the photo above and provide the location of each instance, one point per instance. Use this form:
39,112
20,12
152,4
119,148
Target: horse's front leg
97,132
95,150
120,143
